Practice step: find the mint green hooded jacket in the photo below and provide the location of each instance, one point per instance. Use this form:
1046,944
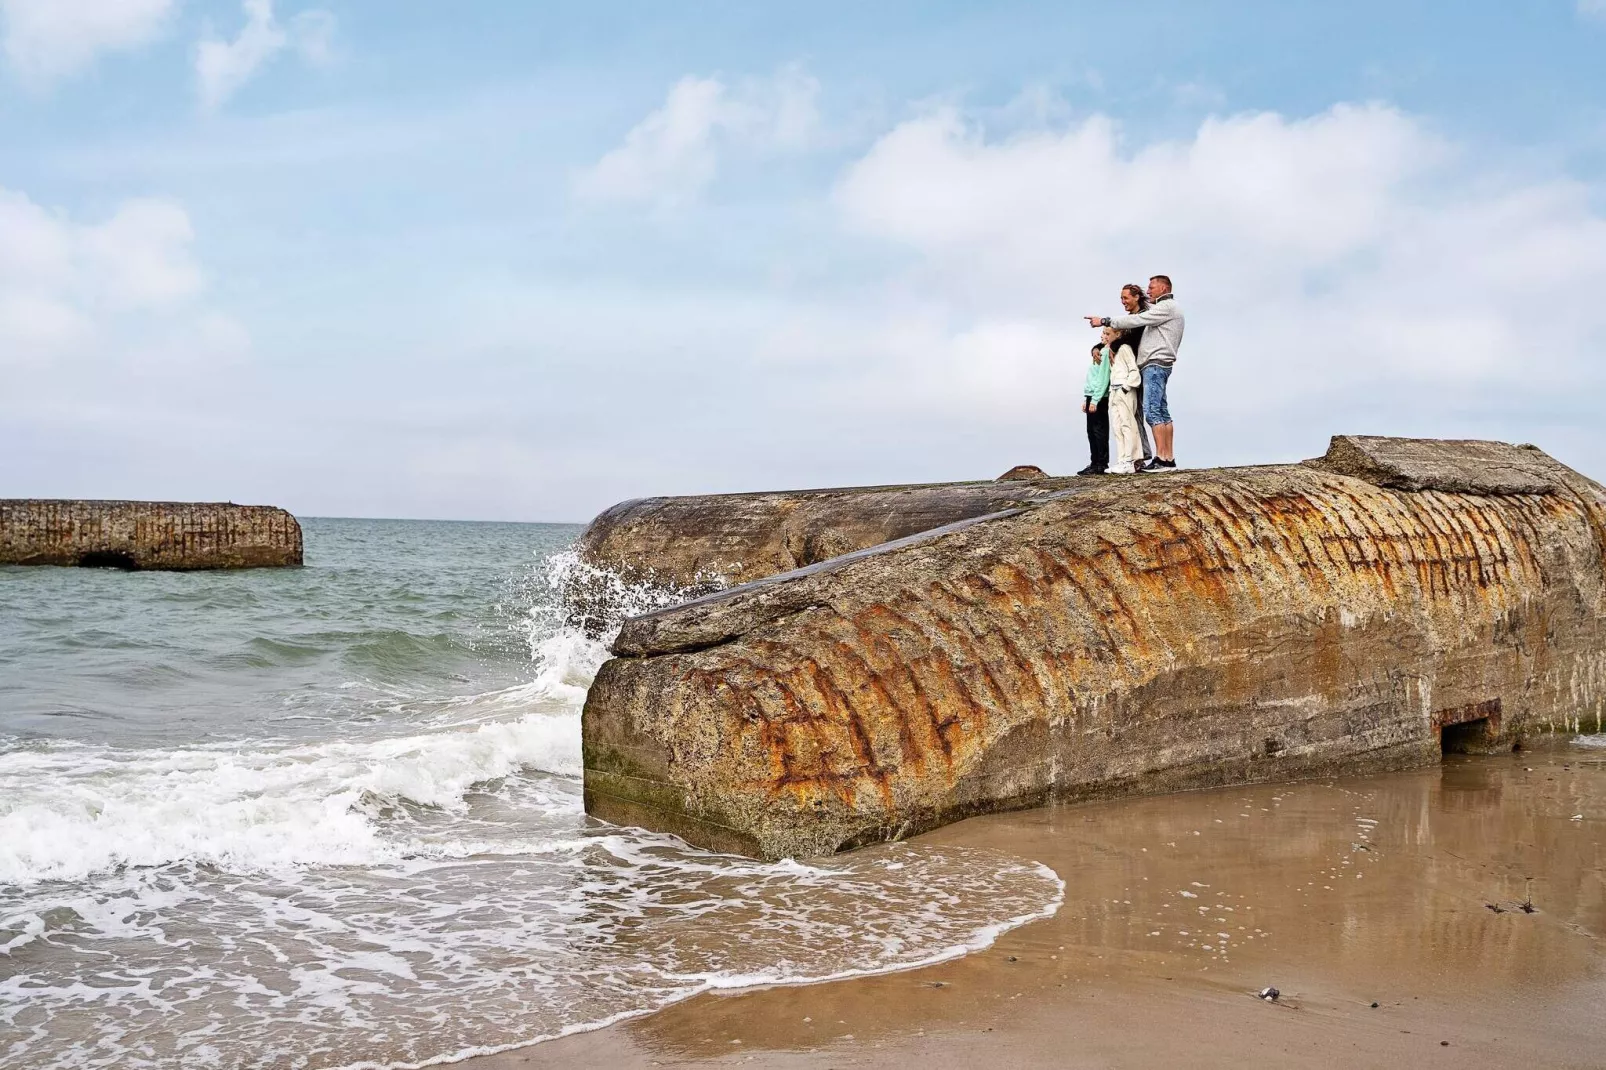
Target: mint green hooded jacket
1097,383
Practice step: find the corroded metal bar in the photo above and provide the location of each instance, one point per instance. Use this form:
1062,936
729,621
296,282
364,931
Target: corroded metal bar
147,535
1146,634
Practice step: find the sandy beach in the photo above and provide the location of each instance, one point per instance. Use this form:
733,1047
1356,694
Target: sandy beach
1391,912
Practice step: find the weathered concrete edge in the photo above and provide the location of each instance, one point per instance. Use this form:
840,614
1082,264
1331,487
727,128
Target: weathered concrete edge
1349,455
713,618
876,488
621,799
609,797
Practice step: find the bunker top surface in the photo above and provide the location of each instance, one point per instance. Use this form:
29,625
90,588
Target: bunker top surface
1479,468
721,539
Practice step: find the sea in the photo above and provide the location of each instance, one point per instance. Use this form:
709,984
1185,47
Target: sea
331,817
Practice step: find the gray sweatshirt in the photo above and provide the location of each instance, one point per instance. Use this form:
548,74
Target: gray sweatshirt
1162,331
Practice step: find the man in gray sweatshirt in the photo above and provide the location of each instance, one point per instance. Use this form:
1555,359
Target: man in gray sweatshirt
1157,354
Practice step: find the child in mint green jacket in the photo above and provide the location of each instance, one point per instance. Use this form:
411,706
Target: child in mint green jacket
1095,402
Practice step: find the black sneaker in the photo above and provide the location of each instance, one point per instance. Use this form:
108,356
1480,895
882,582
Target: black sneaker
1091,470
1158,465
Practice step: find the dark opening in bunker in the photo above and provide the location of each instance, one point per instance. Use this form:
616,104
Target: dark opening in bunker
108,559
1468,737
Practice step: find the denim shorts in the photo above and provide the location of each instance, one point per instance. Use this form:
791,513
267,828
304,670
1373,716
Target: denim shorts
1155,410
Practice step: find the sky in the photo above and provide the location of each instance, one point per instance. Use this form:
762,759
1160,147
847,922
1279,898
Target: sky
509,261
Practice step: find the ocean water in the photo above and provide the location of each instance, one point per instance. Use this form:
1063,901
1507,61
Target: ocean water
331,817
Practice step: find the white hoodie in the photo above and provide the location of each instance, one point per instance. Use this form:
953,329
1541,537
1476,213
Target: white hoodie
1124,368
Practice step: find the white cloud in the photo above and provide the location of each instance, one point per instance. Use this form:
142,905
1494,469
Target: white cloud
34,247
669,154
1592,9
674,152
222,67
47,40
785,110
75,292
1350,263
140,257
313,33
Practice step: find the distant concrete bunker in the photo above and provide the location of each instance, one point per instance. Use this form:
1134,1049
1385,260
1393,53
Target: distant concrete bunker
132,536
950,650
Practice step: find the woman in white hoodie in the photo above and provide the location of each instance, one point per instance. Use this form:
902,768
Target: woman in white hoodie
1125,379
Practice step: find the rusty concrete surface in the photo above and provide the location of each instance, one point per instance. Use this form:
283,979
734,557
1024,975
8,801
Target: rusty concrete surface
147,535
1141,634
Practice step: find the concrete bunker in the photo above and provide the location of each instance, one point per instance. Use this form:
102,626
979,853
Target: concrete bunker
1375,608
133,536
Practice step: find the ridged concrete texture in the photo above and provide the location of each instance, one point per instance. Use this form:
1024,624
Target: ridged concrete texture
147,535
1148,633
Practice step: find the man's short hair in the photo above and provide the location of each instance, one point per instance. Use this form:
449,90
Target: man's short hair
1163,278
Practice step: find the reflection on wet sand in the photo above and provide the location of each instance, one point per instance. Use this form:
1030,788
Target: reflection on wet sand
1405,891
1391,875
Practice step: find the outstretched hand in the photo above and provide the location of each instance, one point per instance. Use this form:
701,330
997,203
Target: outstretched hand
1094,321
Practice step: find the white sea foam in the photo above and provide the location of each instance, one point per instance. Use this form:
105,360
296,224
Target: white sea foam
1590,741
596,600
432,961
68,811
568,663
414,896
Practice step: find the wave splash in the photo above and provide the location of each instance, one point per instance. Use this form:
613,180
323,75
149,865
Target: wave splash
68,811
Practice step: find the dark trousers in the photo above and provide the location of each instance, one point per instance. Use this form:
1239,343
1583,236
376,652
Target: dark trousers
1098,433
1145,436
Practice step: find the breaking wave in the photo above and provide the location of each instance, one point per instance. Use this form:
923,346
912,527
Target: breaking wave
72,811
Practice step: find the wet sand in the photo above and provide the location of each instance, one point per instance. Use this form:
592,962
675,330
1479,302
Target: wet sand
1406,891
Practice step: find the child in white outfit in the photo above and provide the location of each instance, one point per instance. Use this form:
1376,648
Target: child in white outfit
1124,383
